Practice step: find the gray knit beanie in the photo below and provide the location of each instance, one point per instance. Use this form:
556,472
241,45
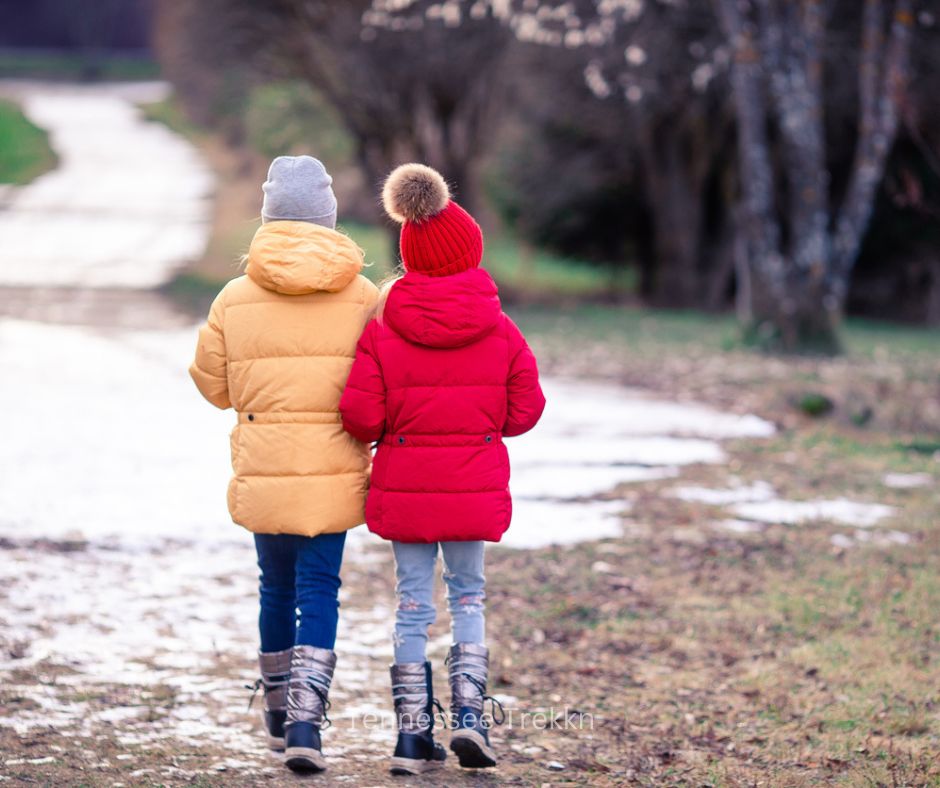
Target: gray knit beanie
298,189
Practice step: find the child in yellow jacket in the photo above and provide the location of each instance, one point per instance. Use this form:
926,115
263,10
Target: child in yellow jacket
278,347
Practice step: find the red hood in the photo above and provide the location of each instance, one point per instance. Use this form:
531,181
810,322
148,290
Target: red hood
443,311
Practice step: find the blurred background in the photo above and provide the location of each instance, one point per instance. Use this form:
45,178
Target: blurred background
600,142
718,223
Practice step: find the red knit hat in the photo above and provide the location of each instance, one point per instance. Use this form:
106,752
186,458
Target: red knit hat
438,237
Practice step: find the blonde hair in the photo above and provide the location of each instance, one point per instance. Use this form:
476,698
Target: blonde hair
385,287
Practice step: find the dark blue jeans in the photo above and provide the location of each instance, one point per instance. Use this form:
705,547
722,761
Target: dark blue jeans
299,589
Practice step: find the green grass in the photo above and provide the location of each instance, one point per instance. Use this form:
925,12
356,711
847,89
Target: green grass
663,330
639,330
376,245
170,113
290,118
537,273
531,274
24,148
22,63
875,338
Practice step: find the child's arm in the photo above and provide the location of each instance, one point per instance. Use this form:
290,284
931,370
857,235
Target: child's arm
209,368
525,400
363,403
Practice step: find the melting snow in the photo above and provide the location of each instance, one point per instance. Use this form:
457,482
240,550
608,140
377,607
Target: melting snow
880,538
758,502
577,481
839,510
113,424
738,526
905,481
127,204
549,522
759,491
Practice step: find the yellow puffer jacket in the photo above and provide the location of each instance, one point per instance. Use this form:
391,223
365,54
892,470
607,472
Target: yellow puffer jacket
278,347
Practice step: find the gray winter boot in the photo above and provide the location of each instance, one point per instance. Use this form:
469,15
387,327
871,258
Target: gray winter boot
275,670
468,664
415,751
311,672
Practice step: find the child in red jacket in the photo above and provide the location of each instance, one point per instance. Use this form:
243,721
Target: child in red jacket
441,376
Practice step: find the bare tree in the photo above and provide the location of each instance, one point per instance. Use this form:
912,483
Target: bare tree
656,59
796,251
407,87
795,263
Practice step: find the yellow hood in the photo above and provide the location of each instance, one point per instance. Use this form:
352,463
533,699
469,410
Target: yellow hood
295,258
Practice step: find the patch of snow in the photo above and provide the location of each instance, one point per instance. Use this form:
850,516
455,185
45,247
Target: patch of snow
110,438
594,408
546,523
906,481
759,491
878,538
839,510
738,526
127,204
577,481
548,447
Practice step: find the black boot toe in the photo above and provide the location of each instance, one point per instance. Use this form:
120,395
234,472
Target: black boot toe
302,748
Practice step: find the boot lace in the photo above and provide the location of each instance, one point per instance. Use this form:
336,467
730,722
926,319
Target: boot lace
495,705
258,684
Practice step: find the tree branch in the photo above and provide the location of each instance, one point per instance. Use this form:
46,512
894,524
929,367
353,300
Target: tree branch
880,98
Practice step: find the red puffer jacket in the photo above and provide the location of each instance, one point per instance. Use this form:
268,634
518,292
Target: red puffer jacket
439,383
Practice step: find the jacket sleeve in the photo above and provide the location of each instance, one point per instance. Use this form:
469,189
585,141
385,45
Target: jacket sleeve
209,369
525,400
363,402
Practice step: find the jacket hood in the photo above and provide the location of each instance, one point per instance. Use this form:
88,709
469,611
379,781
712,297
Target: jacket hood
296,258
443,311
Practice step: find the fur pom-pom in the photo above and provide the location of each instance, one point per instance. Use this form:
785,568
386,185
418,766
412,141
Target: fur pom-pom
414,192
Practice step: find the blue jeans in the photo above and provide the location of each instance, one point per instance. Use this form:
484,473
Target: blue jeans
299,589
463,576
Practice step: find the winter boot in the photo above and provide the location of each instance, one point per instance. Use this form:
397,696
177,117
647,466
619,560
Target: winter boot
416,751
468,663
311,671
275,669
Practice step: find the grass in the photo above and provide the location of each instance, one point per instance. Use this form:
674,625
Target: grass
39,64
170,114
25,152
755,659
523,273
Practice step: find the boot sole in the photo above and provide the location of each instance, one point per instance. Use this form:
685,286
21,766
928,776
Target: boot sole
275,743
304,759
472,751
413,765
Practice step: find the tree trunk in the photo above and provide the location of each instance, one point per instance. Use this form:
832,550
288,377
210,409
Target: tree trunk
932,311
787,309
883,76
675,197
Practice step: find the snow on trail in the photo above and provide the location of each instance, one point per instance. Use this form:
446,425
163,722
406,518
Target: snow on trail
112,440
594,438
127,204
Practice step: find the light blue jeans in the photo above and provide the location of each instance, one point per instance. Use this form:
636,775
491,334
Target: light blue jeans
463,576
